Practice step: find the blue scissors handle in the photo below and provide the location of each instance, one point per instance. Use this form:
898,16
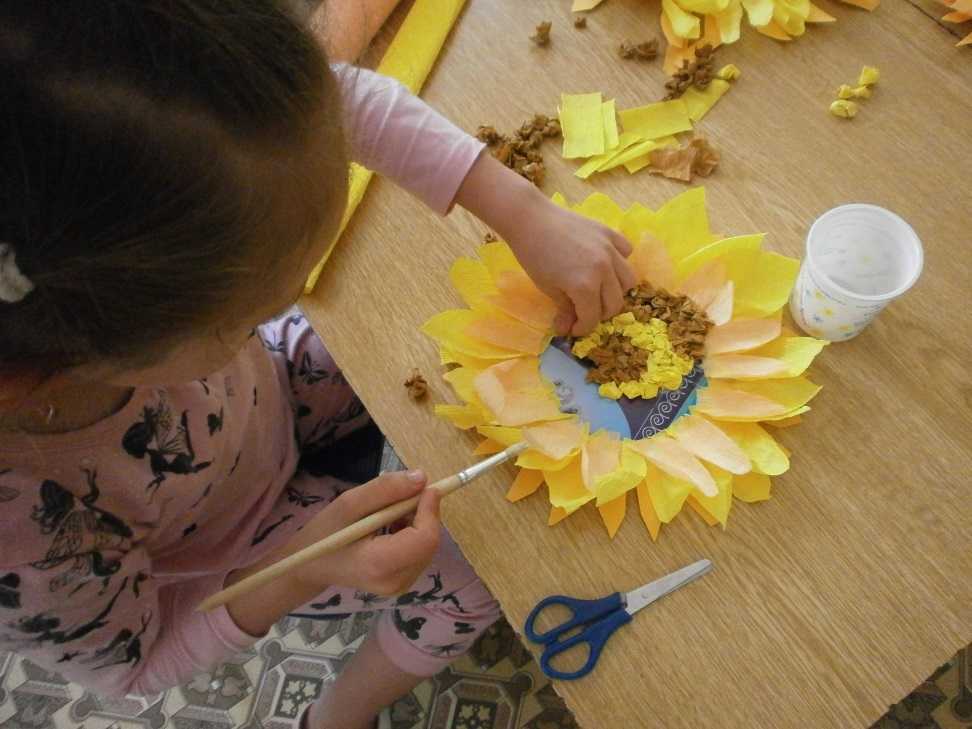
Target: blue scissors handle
599,619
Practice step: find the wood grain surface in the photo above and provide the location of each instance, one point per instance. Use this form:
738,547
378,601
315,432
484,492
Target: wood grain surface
848,587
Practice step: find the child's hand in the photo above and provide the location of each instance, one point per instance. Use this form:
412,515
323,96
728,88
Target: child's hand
576,261
384,564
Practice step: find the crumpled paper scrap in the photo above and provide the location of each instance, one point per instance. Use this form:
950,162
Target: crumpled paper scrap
697,157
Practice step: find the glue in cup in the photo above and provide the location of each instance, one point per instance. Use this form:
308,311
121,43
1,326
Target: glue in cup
859,259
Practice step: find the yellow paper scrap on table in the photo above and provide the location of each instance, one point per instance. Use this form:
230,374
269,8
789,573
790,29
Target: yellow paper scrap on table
409,59
582,122
639,150
640,161
656,120
593,164
580,6
610,125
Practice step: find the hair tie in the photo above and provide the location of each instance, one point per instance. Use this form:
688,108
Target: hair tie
14,286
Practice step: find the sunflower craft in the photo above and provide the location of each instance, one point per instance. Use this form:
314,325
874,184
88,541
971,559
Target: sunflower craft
665,399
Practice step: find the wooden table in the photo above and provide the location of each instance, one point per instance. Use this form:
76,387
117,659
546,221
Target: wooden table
854,582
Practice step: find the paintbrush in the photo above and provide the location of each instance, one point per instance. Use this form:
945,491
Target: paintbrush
358,530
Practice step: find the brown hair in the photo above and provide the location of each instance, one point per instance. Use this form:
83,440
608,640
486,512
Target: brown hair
145,145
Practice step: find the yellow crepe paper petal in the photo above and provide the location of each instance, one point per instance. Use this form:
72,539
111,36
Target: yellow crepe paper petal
703,7
630,472
656,120
718,249
763,281
498,257
506,332
610,125
525,483
729,21
488,447
501,434
682,224
717,507
791,15
541,462
651,262
752,487
674,460
796,352
516,394
461,380
705,284
648,515
740,335
701,511
674,41
759,12
447,356
601,208
567,488
785,422
558,439
744,367
668,494
767,456
471,279
463,417
517,296
698,102
752,401
683,24
612,513
600,454
584,5
819,16
448,328
720,310
707,441
582,122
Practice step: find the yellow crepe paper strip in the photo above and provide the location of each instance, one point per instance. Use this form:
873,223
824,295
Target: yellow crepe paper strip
409,59
719,451
656,120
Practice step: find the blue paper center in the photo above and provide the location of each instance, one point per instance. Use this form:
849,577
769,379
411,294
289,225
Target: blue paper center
630,418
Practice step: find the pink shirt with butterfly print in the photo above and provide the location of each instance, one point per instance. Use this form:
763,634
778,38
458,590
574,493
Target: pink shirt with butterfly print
111,535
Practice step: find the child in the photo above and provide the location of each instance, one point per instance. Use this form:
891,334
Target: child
172,169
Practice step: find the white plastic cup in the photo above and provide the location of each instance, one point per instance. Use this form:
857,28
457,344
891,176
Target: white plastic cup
859,259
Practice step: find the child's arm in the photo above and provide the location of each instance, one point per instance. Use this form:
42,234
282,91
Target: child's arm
577,262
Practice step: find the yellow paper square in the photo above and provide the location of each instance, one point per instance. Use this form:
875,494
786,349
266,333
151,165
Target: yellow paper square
582,122
610,125
656,120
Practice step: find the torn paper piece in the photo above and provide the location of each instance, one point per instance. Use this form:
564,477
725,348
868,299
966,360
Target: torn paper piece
656,120
582,122
610,125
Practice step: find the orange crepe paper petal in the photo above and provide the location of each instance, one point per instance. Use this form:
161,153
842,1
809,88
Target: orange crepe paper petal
525,483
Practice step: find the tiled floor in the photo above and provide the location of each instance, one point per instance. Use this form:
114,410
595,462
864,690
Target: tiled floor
496,686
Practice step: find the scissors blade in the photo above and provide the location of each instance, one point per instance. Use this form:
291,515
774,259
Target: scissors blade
645,596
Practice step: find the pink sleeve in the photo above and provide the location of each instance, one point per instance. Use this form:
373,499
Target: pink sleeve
398,135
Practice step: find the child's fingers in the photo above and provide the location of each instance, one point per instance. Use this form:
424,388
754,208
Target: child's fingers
612,299
620,243
566,316
378,493
587,305
397,557
625,273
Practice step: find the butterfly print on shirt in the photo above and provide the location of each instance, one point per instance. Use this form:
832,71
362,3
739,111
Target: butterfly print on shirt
309,372
215,422
46,628
445,650
266,532
82,533
409,628
463,628
332,601
296,496
167,444
123,649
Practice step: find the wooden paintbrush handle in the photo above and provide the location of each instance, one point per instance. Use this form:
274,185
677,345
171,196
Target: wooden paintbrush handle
331,543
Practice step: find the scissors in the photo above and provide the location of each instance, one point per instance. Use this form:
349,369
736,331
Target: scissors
600,618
